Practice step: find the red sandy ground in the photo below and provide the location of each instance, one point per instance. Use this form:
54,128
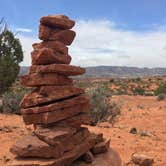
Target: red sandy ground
144,113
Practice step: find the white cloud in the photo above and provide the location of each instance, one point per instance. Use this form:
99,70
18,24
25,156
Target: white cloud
27,48
101,42
24,30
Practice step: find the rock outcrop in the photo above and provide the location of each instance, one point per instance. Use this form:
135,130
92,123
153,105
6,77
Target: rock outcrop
55,107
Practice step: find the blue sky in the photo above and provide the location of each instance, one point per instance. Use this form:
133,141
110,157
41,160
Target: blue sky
138,21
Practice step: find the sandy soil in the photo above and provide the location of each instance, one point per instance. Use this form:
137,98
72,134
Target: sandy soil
146,114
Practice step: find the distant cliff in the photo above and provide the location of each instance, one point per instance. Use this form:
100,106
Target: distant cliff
116,71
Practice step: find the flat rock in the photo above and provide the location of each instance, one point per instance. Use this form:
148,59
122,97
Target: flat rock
57,21
142,160
31,162
54,45
54,135
79,150
48,34
76,139
64,138
65,160
48,94
45,56
75,121
57,105
101,147
111,158
55,116
62,69
40,79
32,146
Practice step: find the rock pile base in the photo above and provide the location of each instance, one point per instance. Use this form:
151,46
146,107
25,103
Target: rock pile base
55,107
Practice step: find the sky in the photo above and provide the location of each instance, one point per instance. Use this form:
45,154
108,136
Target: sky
109,32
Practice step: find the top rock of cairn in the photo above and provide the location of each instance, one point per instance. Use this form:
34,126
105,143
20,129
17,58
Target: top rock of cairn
57,21
55,107
56,28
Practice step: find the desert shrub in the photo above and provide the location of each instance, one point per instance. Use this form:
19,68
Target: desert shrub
11,54
83,84
101,107
138,91
161,96
11,100
112,80
138,79
161,89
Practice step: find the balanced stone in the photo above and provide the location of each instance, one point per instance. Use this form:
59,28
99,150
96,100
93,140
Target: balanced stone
54,45
57,21
63,137
67,158
48,94
56,105
55,116
75,121
61,69
65,36
54,134
40,79
45,56
32,146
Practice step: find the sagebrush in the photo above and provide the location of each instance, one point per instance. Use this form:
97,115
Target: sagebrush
11,100
102,109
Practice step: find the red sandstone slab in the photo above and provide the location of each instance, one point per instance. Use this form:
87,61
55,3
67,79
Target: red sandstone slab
78,151
55,116
57,21
54,135
111,158
47,56
62,69
32,146
65,160
54,45
43,79
48,34
63,137
57,105
76,121
76,139
48,94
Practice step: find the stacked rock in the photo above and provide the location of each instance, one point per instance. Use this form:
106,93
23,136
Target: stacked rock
55,107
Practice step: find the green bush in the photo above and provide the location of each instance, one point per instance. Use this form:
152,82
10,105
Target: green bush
161,89
101,107
11,100
138,91
11,54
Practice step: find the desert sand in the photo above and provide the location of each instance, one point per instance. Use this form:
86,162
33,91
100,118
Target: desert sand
144,113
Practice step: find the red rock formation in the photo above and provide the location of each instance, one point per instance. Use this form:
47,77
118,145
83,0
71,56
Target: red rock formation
54,45
49,94
55,106
57,21
45,56
61,69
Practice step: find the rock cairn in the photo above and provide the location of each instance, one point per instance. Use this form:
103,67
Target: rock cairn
55,107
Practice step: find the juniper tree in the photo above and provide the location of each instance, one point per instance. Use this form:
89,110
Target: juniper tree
11,55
